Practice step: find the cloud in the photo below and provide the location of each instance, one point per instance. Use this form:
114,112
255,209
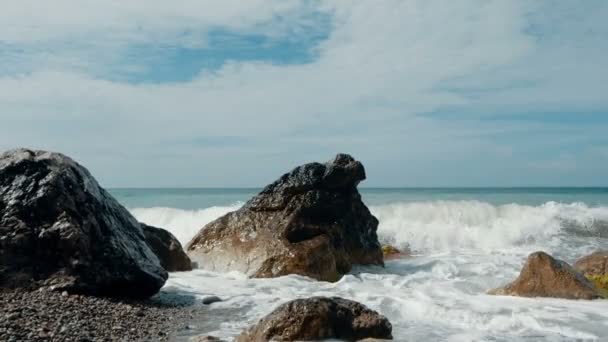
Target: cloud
378,79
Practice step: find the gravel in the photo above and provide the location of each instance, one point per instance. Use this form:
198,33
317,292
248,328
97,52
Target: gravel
54,316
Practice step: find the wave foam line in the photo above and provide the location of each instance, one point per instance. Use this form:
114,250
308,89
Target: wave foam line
434,226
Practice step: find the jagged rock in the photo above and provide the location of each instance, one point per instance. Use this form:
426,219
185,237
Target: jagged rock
319,318
167,248
311,222
545,276
61,230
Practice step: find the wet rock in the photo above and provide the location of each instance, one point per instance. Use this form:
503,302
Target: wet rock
167,248
595,268
593,264
311,222
545,276
211,299
390,253
206,338
59,229
319,318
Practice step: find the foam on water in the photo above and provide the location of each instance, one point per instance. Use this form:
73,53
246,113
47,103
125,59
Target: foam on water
184,224
463,248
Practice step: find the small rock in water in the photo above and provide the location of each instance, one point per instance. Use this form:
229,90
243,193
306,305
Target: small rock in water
207,338
545,276
319,318
211,299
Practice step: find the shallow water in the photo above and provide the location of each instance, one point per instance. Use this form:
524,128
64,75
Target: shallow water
465,241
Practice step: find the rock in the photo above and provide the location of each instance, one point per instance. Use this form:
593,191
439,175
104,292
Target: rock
168,250
319,318
595,268
60,229
545,276
390,253
205,338
310,222
210,300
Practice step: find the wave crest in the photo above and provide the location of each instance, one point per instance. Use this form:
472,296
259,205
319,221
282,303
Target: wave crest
184,224
433,226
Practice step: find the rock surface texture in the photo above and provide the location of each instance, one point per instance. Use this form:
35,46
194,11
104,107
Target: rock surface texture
60,229
595,268
545,276
593,264
168,250
311,222
319,318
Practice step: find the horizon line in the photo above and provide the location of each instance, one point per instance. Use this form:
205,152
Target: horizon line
364,187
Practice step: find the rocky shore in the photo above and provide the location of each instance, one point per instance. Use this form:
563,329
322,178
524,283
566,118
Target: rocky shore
55,316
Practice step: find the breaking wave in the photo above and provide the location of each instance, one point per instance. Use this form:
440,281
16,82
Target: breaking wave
433,226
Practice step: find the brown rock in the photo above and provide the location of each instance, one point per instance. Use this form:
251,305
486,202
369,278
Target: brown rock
391,253
167,248
319,318
593,264
545,276
595,268
311,222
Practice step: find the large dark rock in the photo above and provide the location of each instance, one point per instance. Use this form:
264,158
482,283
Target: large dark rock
60,229
168,250
311,222
319,318
545,276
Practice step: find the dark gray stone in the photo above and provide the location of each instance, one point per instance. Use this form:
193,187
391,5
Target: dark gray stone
60,229
167,248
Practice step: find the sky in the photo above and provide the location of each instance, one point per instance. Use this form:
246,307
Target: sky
233,93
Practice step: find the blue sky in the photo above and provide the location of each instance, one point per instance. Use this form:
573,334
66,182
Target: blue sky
234,93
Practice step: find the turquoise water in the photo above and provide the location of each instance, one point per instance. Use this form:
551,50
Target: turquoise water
199,198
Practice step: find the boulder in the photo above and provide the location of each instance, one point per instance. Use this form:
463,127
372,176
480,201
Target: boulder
595,268
319,318
545,276
167,248
61,230
310,222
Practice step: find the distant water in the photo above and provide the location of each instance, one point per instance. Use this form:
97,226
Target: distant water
466,241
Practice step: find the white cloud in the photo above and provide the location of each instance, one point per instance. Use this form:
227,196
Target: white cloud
383,64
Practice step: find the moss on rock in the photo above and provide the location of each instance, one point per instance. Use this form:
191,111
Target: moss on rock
601,282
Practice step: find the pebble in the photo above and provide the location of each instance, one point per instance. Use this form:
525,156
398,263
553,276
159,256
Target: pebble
55,316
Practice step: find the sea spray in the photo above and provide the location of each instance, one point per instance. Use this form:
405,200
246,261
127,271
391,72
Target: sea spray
431,226
184,224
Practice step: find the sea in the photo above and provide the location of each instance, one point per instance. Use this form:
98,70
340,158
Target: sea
464,242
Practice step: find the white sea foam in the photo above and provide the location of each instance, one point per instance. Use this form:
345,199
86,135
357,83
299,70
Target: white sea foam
437,226
464,248
184,224
448,225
